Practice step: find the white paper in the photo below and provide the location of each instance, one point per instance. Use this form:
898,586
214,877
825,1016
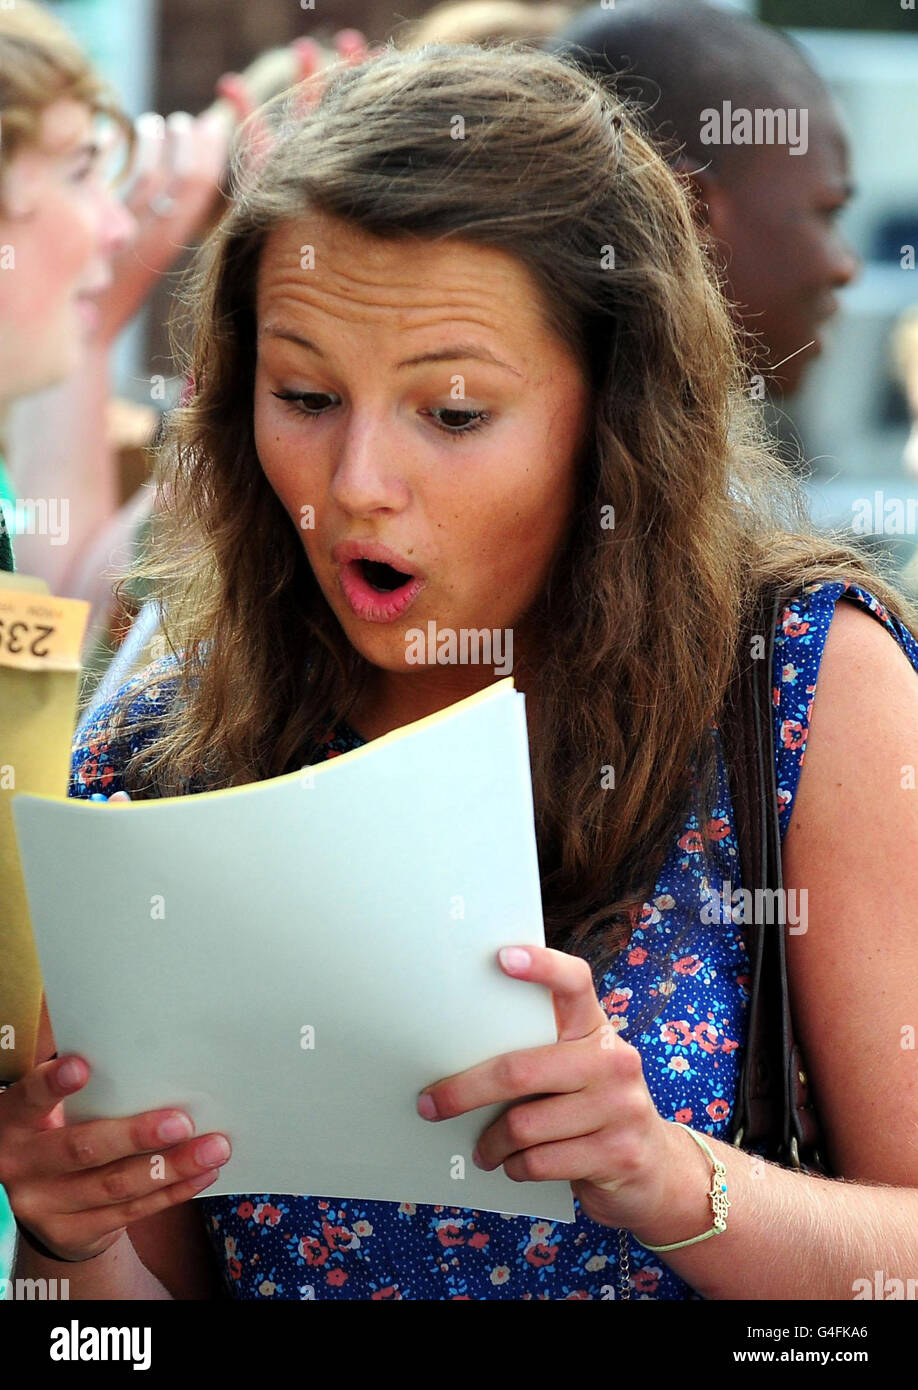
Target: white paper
189,944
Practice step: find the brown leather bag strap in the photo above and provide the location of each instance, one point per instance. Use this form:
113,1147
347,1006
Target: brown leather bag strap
773,1110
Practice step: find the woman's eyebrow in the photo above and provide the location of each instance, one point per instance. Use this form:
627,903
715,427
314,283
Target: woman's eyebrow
454,353
457,352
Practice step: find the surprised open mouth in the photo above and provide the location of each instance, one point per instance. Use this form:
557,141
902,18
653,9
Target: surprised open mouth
382,577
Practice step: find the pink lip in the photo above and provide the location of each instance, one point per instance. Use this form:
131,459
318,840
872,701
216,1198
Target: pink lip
373,550
368,603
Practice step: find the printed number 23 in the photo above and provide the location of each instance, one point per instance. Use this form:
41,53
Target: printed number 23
14,644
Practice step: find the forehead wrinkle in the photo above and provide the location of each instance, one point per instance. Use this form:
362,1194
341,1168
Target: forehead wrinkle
283,307
370,292
298,291
346,289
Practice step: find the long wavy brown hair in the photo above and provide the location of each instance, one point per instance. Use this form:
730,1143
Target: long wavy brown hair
639,624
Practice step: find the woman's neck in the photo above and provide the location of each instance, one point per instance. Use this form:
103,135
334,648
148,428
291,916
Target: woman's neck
393,700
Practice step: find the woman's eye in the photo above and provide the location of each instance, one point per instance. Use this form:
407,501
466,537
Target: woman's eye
306,402
460,421
451,422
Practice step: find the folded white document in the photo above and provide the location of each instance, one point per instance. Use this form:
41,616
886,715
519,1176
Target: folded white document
294,961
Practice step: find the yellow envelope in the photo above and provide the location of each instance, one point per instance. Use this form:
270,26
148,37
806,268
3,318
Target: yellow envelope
40,639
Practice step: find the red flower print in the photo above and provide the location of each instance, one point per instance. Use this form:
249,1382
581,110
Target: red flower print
94,770
793,733
690,841
728,1045
645,1280
687,965
390,1291
235,1267
267,1215
677,1033
336,1277
617,1002
637,955
719,828
706,1037
684,1116
313,1251
479,1240
244,1210
775,696
337,1237
450,1234
578,1293
793,627
541,1254
718,1109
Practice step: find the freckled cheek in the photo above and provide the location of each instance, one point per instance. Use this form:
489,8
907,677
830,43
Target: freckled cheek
292,473
501,555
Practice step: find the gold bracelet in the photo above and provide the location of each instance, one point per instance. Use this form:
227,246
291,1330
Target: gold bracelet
717,1194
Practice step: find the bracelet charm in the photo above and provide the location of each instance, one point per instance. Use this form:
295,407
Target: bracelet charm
720,1203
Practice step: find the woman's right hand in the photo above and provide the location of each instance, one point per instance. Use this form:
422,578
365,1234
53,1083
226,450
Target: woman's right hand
76,1187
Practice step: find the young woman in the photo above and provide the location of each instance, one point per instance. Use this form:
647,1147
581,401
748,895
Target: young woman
60,225
459,356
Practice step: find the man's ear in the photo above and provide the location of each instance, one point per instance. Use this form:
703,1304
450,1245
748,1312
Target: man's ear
711,203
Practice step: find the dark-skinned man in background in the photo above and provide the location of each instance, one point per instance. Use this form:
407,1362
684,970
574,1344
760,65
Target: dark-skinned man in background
769,209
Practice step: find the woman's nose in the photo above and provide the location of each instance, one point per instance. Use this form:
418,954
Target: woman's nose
366,474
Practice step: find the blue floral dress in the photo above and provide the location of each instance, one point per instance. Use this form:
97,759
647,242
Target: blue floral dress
282,1247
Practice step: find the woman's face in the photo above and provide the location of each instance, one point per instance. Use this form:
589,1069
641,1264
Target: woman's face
59,227
409,395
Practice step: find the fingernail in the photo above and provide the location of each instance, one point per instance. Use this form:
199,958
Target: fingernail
213,1150
174,1128
476,1157
426,1106
515,959
70,1074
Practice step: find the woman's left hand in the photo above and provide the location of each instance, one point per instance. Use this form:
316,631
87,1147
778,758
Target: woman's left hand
579,1108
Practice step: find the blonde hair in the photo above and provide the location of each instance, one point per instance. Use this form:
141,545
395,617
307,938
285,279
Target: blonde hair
481,21
639,624
40,63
